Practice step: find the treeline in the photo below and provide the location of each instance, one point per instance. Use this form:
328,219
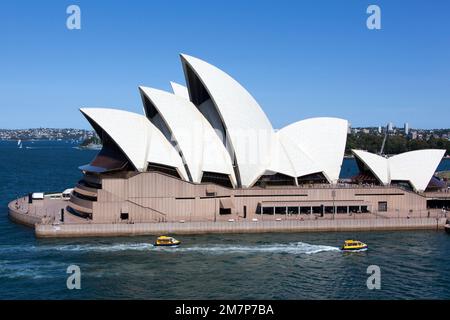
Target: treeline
394,144
90,140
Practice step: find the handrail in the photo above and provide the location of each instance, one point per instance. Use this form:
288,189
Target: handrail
144,207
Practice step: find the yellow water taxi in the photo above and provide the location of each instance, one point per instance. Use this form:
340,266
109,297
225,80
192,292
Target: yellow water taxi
354,245
165,241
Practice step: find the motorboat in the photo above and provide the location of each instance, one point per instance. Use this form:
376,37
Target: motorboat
354,245
165,241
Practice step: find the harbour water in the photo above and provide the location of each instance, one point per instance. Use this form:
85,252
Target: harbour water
252,266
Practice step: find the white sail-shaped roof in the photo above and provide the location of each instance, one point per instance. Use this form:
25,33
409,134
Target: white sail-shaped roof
249,132
201,148
377,164
302,163
179,90
322,140
137,137
417,167
280,161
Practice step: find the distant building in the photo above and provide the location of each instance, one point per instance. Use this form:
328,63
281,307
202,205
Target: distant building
390,127
349,128
406,128
379,129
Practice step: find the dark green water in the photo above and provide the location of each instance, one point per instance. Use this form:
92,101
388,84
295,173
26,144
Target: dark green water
254,266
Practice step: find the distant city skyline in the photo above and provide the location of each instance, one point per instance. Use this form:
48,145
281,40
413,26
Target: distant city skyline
298,59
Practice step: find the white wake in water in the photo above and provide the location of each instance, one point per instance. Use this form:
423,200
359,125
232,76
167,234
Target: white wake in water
289,248
47,147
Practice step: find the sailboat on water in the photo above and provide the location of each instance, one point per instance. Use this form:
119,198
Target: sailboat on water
19,143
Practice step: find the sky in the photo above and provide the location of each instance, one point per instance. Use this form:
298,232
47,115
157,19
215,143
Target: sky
299,59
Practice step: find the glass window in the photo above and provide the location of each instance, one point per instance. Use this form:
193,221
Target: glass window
293,210
382,206
280,210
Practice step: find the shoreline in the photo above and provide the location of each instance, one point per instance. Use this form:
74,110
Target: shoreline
294,226
69,230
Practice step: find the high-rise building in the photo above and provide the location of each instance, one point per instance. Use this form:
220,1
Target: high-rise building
406,128
390,126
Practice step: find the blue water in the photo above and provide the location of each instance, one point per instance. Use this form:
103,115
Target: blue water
252,266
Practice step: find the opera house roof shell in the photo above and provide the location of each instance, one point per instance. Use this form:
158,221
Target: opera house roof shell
416,167
213,127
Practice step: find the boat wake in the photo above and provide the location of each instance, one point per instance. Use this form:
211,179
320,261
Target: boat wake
359,250
46,147
288,248
25,269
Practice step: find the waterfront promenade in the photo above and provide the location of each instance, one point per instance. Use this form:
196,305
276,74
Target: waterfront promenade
140,229
45,219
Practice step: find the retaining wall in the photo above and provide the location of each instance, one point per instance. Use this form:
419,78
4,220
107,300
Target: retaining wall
26,219
124,229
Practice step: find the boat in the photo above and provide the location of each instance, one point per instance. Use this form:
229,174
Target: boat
354,245
165,241
19,144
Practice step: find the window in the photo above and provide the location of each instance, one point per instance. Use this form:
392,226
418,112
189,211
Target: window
83,197
163,169
329,209
124,216
225,211
280,210
382,206
268,210
317,209
354,209
217,178
277,179
79,213
305,210
341,209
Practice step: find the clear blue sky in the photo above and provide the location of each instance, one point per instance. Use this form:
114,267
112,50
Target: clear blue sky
299,59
